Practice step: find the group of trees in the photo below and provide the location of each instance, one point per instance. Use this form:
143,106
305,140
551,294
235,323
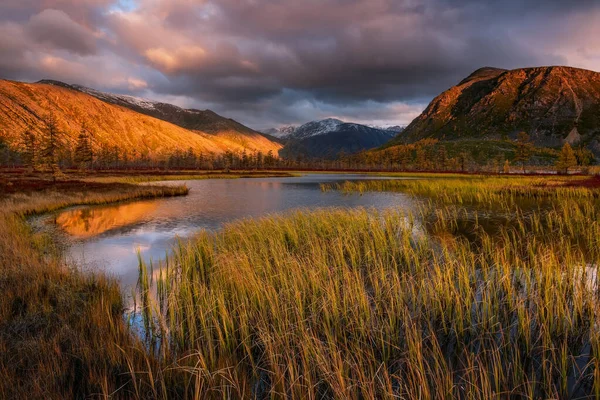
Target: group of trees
47,148
433,155
424,155
567,158
50,150
47,151
229,160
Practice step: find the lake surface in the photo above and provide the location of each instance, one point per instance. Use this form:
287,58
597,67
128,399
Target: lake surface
108,238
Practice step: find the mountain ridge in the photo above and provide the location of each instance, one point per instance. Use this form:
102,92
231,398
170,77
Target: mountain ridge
552,104
24,106
206,121
331,137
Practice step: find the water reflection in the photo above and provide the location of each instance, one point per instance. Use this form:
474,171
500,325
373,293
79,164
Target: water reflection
88,222
108,238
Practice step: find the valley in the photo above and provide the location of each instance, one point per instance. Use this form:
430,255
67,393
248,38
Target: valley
155,251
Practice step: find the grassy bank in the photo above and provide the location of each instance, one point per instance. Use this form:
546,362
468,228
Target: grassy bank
429,303
62,333
355,304
480,190
186,176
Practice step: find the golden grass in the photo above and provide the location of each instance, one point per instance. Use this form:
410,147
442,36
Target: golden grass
62,333
325,304
186,176
359,304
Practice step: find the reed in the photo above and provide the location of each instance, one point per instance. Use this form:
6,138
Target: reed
365,304
62,332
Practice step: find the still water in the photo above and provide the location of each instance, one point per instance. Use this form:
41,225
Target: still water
108,238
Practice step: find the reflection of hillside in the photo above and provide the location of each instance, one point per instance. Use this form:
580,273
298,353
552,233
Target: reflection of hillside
94,221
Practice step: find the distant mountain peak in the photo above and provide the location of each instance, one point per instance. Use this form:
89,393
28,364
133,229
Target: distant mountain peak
330,137
315,128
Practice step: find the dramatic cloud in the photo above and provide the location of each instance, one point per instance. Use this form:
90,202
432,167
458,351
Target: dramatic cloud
57,29
272,62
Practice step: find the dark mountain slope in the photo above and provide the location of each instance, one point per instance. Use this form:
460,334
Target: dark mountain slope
330,138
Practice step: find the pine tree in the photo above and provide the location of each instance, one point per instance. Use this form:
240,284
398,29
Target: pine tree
259,160
442,159
464,161
524,149
566,159
270,159
51,143
421,159
83,150
584,156
29,143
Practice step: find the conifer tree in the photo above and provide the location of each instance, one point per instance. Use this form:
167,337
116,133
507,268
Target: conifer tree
51,142
83,150
566,159
584,156
524,149
29,143
442,159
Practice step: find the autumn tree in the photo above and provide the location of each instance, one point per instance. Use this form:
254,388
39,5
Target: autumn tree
506,168
463,161
523,150
83,150
566,159
270,159
584,156
442,159
51,142
29,144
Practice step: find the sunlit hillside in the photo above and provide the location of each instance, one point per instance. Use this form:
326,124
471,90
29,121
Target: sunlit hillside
23,105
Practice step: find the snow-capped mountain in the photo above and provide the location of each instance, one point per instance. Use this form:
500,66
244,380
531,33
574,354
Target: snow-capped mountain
330,137
119,98
395,128
281,132
315,128
309,129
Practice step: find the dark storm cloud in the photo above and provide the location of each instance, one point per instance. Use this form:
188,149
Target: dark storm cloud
337,50
57,29
277,61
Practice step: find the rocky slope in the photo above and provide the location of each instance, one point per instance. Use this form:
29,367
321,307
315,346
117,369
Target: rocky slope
24,104
227,131
551,104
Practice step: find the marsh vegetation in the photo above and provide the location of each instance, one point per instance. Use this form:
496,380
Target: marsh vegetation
487,289
357,304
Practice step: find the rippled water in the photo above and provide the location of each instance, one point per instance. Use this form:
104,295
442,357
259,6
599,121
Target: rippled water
108,238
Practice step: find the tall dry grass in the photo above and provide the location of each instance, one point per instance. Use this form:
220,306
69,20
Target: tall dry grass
359,304
62,333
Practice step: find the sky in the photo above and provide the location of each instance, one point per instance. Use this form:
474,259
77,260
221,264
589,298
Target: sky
269,63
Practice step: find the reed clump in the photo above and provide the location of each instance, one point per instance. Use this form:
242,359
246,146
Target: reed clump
361,304
62,332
